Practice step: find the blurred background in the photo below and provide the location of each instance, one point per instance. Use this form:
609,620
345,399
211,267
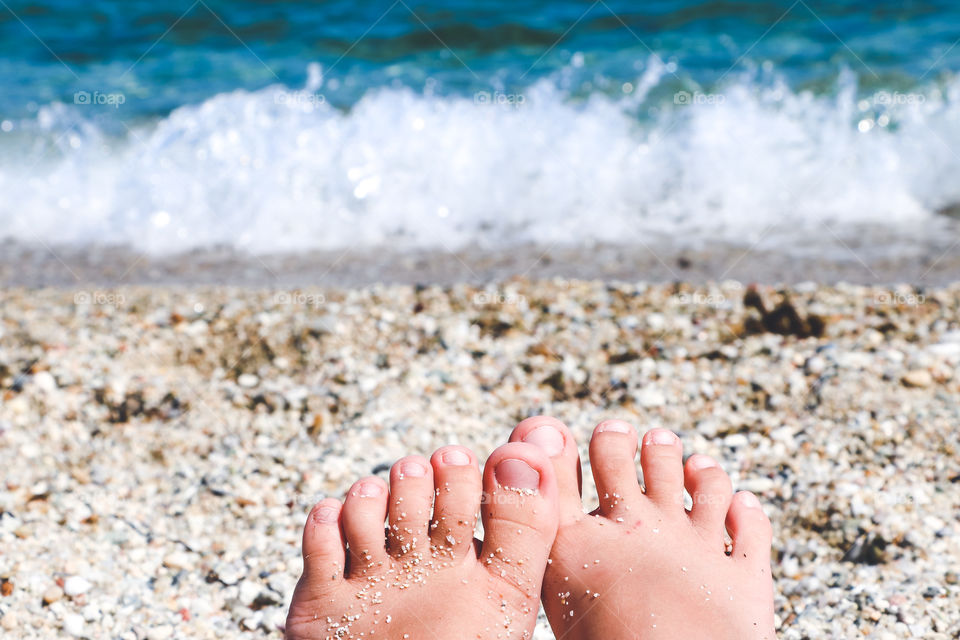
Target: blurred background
823,131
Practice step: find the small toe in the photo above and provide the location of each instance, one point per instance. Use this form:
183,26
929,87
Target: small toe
710,491
457,485
411,501
750,530
324,547
613,459
520,515
324,557
557,442
661,457
363,515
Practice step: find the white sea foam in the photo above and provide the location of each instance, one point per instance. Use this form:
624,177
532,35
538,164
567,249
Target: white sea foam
279,170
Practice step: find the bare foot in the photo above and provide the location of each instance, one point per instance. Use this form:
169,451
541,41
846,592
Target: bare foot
640,565
427,578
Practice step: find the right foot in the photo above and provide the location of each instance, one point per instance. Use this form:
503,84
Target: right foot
640,565
427,577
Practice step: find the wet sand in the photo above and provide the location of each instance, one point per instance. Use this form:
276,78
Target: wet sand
661,260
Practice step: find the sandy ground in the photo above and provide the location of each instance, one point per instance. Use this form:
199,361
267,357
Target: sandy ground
830,259
160,447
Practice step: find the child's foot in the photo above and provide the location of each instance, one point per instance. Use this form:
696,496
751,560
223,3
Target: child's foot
640,565
426,577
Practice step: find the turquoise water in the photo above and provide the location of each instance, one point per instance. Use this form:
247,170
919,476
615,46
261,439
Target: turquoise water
294,125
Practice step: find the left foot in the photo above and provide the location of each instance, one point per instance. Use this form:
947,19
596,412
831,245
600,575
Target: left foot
641,566
428,578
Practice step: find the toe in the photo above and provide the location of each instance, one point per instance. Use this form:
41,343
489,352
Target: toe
750,530
324,546
556,440
520,515
324,555
613,454
709,488
363,515
411,500
661,458
457,486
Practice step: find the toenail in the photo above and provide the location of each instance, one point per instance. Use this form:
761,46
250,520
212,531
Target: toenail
369,490
749,500
701,462
660,436
517,474
547,438
455,457
326,514
614,426
412,469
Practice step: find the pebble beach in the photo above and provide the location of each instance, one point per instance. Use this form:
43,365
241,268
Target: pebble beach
161,446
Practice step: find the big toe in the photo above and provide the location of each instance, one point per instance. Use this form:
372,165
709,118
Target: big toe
557,442
520,515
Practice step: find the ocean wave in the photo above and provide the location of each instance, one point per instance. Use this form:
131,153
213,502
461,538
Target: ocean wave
282,170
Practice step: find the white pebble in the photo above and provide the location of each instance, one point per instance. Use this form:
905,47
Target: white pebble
73,625
76,585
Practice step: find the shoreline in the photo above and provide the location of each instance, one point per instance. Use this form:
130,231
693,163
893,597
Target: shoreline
657,262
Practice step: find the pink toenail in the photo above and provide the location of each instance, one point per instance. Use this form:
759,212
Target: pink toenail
547,438
517,474
412,469
660,436
749,500
326,514
701,462
370,490
614,426
455,457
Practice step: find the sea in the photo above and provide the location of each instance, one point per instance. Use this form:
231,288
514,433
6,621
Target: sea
280,128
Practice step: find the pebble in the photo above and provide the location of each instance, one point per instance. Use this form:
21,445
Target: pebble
177,560
248,380
91,613
73,625
9,622
249,590
917,378
45,381
650,397
52,594
815,366
76,585
160,632
839,449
